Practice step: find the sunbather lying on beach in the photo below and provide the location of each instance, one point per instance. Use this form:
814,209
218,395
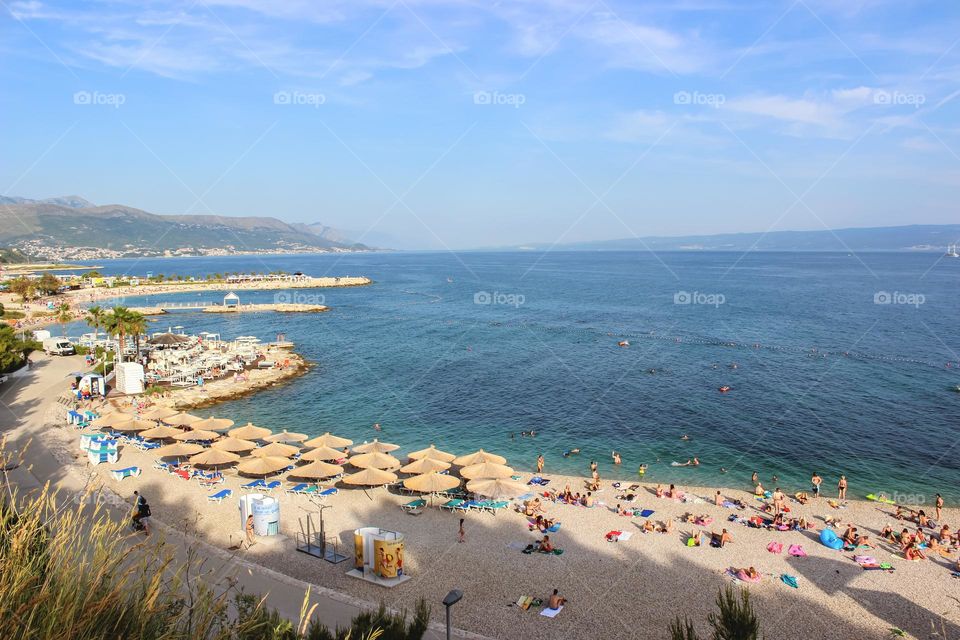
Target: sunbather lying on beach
719,539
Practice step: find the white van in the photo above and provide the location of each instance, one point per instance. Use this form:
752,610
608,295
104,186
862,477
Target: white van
58,347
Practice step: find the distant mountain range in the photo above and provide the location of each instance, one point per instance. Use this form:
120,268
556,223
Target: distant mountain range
917,237
71,222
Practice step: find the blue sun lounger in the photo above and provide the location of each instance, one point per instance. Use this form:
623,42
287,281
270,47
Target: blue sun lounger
302,487
220,496
414,505
454,504
273,484
331,491
253,486
120,474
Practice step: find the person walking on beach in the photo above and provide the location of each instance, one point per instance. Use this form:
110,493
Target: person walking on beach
540,463
249,530
842,487
816,481
778,499
461,534
938,505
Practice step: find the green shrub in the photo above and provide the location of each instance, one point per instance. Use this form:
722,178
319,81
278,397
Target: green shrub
736,619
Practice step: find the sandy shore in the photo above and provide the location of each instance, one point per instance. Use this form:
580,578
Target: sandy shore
243,308
627,589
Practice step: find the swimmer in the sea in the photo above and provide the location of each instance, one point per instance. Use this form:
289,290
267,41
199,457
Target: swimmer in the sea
567,454
616,458
684,437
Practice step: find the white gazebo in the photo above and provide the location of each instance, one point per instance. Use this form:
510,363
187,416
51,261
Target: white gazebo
231,300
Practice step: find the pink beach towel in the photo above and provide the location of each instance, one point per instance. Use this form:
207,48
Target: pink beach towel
797,551
775,547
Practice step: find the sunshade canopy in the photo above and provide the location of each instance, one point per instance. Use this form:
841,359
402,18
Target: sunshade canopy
502,488
196,435
159,413
212,424
328,440
323,453
178,450
163,431
317,469
181,419
287,436
375,447
433,453
275,449
477,457
133,424
234,445
250,432
263,466
425,465
111,418
432,482
375,461
370,478
214,458
486,470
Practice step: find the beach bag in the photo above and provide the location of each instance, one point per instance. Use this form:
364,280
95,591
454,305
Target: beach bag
145,510
790,581
775,547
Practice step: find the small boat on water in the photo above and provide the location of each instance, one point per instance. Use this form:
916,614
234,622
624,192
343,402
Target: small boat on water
952,251
281,342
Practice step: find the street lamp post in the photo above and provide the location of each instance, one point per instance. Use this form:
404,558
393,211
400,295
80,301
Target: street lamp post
451,599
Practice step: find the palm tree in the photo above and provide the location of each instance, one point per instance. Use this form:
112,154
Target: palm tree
117,323
95,317
136,326
64,315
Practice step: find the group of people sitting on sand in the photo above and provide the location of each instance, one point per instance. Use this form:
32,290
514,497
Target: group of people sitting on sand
673,493
567,496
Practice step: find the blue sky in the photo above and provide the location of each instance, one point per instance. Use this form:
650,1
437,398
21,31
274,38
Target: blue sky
459,124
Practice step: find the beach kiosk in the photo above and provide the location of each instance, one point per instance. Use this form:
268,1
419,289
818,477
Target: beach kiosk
378,556
265,511
231,301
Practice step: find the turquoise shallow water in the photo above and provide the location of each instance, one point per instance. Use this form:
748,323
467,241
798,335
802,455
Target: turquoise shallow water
825,378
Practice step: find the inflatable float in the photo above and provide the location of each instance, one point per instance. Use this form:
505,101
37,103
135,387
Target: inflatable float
881,498
828,538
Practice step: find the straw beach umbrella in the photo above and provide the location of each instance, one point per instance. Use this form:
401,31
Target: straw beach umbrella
249,432
328,440
112,418
275,449
214,458
425,465
370,478
286,436
196,436
317,470
159,413
432,453
234,445
322,453
432,482
263,466
375,447
178,450
375,461
497,488
212,424
133,424
181,419
163,431
486,470
479,457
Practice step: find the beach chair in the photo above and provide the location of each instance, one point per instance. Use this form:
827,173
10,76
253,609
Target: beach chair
220,496
273,484
475,505
454,504
120,474
254,485
298,488
414,505
332,491
208,481
146,446
161,465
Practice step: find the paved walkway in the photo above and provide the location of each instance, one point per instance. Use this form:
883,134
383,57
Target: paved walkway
28,402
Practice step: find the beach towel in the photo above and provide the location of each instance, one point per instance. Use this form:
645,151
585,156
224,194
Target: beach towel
797,551
790,581
551,613
646,513
742,575
775,547
729,505
613,536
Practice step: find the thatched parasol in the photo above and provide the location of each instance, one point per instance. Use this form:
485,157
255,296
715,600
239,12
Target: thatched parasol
214,458
133,424
275,449
168,340
212,424
250,432
497,489
375,461
433,453
328,440
486,470
263,466
316,470
196,436
109,419
286,436
425,465
432,482
234,445
323,453
371,478
181,419
163,431
375,447
478,457
178,450
159,413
